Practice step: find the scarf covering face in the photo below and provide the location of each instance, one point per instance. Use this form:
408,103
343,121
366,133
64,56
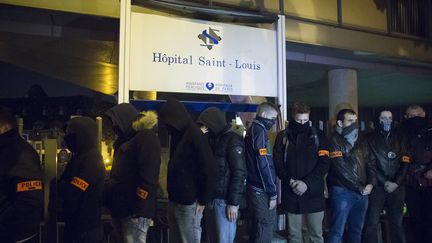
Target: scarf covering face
350,133
416,123
268,123
385,126
298,127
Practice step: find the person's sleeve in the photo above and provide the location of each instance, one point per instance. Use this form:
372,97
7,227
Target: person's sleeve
371,170
23,191
405,162
149,159
322,165
25,196
207,170
278,158
338,169
264,161
381,179
237,165
81,179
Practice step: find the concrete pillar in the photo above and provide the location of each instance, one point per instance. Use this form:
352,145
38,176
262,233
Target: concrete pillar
342,91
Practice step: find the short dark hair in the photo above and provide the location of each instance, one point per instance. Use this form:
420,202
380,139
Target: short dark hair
380,111
341,114
300,108
7,117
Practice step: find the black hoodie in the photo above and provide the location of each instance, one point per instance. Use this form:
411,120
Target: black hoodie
81,185
133,184
21,195
191,169
228,150
122,115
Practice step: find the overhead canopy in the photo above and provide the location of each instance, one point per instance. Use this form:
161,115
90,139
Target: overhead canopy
83,50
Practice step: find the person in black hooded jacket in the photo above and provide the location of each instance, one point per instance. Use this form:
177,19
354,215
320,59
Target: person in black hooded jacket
228,149
81,184
21,195
191,173
131,191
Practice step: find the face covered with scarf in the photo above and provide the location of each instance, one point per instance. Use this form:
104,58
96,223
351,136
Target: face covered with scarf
415,118
385,121
300,122
348,128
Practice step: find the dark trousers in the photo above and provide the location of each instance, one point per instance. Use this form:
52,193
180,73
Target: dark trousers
94,235
419,203
263,219
393,203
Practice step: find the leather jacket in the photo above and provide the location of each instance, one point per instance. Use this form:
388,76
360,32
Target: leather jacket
420,149
391,156
351,167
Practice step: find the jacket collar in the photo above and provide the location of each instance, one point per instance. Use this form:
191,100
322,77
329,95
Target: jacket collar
259,123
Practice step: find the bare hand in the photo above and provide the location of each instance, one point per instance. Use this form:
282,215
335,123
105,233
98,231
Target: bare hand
292,183
428,174
300,187
199,209
204,129
367,190
390,186
272,204
232,212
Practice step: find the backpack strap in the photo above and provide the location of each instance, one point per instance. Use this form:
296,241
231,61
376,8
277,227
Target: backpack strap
314,136
285,142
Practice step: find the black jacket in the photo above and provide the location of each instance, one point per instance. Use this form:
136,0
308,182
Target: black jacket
134,181
228,150
350,167
302,156
192,171
420,151
81,185
21,195
259,161
391,156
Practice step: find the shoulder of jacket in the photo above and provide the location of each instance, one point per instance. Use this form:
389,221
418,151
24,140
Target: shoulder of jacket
235,139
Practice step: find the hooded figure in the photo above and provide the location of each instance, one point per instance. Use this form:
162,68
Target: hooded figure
81,185
122,116
228,150
191,172
21,194
131,191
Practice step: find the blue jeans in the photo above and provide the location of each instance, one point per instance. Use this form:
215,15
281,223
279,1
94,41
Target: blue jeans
131,230
219,228
184,223
347,207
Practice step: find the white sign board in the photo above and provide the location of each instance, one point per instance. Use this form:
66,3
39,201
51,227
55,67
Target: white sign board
191,56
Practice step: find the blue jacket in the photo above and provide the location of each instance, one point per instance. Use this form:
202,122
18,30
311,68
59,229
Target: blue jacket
259,161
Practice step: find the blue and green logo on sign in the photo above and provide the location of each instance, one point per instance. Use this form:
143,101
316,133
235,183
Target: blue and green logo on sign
210,38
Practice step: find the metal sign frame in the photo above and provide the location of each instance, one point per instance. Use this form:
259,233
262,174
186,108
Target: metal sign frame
124,62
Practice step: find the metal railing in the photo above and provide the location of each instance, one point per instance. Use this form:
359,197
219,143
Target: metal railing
410,17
